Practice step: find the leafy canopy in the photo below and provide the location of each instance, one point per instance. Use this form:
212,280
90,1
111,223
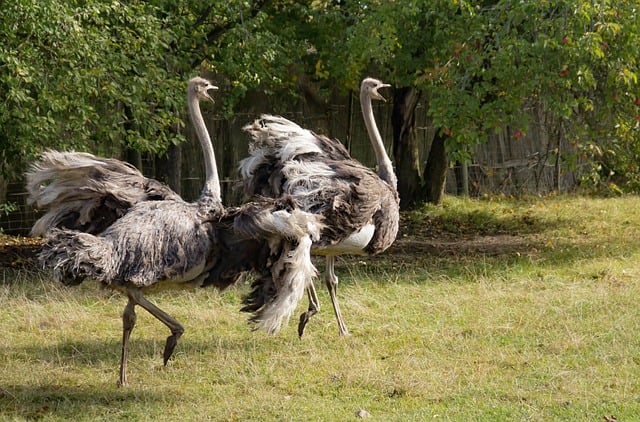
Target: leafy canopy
484,65
85,75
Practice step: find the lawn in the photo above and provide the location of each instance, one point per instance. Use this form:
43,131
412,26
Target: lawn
491,309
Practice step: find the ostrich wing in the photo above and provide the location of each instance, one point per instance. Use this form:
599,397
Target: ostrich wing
84,192
156,241
319,173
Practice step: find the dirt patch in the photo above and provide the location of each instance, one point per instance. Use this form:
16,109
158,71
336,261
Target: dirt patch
19,251
486,245
415,239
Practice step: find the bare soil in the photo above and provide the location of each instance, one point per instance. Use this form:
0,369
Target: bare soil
18,251
429,236
415,238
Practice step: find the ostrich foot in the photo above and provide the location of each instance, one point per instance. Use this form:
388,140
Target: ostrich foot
304,318
170,346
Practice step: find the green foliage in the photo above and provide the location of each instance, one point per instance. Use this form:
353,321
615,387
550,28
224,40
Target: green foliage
262,51
84,75
8,207
483,66
103,76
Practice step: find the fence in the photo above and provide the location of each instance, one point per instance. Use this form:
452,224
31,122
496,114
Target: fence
504,165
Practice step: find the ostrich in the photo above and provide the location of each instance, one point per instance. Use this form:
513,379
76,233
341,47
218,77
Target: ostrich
155,244
360,207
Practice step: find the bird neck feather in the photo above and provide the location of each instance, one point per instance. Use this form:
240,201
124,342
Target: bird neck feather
385,168
212,182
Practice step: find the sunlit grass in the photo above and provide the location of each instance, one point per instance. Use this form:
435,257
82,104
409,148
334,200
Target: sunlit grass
509,310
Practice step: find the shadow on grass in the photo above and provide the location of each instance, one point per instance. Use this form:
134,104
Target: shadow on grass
86,353
477,222
76,376
30,402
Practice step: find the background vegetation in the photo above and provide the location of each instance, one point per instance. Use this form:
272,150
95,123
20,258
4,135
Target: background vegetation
482,310
108,76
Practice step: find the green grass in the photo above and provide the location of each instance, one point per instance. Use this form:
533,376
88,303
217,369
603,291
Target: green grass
483,310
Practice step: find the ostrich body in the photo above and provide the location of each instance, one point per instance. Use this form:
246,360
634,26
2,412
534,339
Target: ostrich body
360,208
152,239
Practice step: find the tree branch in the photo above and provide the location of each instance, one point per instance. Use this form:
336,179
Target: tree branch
218,31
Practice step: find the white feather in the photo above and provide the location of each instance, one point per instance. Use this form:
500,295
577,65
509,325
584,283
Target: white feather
281,137
298,275
248,165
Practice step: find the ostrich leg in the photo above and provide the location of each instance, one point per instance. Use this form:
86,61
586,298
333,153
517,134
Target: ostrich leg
331,280
314,307
176,328
128,322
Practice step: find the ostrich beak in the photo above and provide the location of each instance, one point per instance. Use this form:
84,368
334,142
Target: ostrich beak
206,92
376,95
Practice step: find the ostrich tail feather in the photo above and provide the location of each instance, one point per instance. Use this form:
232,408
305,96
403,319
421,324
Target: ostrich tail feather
292,273
275,136
269,220
292,225
74,256
85,192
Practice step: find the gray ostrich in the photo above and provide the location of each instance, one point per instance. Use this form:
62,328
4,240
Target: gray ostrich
360,207
162,242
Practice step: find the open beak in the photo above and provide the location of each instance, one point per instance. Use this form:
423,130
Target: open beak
377,95
206,92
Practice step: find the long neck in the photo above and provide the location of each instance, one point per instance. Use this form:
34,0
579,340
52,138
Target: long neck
385,168
212,181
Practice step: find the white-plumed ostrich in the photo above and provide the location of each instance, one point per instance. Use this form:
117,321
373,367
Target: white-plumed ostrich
155,243
360,208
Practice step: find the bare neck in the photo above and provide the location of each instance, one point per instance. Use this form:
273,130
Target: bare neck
212,182
385,168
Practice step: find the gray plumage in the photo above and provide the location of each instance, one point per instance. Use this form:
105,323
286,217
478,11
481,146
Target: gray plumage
151,241
360,208
81,191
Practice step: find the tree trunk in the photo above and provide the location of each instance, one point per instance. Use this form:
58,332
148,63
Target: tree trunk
3,189
405,146
131,155
174,172
462,178
435,171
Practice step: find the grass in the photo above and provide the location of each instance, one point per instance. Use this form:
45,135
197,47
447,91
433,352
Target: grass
489,309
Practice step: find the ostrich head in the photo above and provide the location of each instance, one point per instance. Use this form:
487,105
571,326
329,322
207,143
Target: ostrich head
371,86
200,88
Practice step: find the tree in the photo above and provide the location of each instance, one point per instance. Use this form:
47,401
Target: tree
478,67
72,72
109,76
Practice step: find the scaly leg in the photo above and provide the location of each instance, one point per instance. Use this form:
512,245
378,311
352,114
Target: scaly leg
314,307
176,328
331,280
128,322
